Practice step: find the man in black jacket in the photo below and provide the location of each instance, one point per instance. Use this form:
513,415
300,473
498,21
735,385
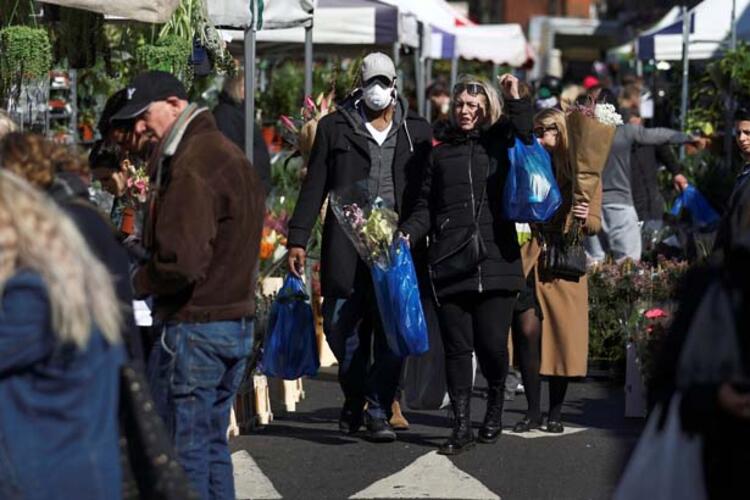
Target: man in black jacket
230,119
374,140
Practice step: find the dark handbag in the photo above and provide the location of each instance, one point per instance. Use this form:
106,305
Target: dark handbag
562,259
149,463
463,258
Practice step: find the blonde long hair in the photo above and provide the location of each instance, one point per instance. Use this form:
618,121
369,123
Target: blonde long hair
35,235
554,117
493,103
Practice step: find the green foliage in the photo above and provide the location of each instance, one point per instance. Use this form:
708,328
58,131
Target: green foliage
80,35
171,54
618,295
283,95
26,55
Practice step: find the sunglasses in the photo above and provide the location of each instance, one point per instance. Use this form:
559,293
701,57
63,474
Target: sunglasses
540,131
384,81
470,88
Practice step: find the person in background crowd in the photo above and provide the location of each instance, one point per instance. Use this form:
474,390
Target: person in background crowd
230,119
440,100
621,234
563,304
548,94
203,233
57,170
645,162
630,98
735,225
569,95
460,207
374,138
60,355
7,125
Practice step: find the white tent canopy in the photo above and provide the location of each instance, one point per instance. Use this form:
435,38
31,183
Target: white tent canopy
272,14
710,27
496,43
347,22
147,11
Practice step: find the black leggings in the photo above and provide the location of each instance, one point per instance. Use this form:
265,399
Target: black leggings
527,333
478,322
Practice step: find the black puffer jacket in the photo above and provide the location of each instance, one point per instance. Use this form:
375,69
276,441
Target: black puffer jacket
460,168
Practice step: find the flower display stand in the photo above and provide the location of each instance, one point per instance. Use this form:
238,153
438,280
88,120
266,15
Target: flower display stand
635,393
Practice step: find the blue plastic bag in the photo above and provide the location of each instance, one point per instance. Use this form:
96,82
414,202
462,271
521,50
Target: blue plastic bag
291,349
531,193
397,295
695,203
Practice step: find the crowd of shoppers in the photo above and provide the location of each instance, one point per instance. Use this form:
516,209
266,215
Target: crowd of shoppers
68,277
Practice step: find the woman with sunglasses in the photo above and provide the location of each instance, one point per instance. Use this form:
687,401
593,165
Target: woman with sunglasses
563,335
474,258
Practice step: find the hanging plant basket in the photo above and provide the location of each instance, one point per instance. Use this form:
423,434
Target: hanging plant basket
171,54
26,55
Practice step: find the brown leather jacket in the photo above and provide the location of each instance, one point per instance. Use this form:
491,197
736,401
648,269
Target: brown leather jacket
206,222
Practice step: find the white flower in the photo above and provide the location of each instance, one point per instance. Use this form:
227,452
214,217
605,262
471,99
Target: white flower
606,113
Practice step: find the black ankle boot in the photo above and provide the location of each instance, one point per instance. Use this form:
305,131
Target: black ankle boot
493,419
462,437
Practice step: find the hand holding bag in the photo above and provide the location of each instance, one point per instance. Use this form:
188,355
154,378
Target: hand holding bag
562,257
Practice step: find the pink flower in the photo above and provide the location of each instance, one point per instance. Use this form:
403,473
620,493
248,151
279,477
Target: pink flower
655,313
140,184
288,123
309,104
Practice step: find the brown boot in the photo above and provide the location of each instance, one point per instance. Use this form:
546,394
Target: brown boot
398,421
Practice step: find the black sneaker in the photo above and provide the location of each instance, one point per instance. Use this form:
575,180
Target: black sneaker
380,431
350,420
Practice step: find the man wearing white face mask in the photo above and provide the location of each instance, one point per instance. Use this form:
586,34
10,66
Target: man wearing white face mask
372,140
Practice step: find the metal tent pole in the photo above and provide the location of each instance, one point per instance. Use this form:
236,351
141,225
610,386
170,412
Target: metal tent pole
729,103
454,70
427,80
308,60
249,90
685,72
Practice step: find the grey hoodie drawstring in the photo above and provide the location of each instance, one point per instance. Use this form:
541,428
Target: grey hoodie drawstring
408,136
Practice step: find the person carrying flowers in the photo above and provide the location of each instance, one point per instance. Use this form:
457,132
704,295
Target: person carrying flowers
474,257
373,139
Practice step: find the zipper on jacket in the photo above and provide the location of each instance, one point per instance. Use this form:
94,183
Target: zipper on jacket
474,208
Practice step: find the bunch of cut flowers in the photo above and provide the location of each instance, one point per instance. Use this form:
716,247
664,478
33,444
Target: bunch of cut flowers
371,227
137,185
300,132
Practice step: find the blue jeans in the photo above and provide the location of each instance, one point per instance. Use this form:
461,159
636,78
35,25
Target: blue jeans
195,370
368,369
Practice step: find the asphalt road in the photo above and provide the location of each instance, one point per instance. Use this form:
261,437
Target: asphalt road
303,456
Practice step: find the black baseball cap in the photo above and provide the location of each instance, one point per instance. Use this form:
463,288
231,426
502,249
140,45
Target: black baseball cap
147,88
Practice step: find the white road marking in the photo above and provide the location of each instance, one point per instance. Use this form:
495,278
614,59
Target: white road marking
536,433
430,476
249,480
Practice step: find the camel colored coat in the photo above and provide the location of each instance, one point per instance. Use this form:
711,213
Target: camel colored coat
565,304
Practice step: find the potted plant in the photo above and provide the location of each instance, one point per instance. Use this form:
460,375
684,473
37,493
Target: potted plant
26,56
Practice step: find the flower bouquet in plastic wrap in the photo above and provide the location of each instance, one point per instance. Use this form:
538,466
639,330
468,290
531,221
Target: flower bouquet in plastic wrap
371,227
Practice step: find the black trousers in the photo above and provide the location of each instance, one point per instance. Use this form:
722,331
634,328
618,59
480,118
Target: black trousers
478,322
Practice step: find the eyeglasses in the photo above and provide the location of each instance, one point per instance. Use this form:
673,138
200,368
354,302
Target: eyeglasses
540,131
470,88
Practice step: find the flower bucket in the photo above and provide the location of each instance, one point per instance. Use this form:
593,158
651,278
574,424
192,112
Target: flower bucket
127,224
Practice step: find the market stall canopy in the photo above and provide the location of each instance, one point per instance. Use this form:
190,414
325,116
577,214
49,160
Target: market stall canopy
272,14
347,22
628,48
495,43
148,11
710,27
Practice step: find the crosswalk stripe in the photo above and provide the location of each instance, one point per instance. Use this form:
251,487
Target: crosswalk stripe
429,476
536,433
249,480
